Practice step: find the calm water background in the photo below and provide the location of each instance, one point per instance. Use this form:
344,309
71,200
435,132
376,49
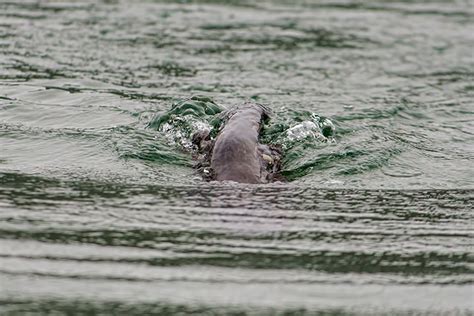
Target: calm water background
99,214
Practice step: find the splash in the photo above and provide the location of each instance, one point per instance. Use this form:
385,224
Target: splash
320,129
187,117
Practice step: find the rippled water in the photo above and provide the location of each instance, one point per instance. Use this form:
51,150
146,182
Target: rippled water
101,213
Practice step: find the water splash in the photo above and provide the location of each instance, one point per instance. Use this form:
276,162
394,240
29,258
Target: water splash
319,129
187,117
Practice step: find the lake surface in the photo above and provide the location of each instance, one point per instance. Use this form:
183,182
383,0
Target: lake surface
101,212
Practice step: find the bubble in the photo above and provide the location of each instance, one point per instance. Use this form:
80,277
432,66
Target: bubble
327,128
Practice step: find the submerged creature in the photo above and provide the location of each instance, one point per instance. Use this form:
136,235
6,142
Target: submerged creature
236,153
228,144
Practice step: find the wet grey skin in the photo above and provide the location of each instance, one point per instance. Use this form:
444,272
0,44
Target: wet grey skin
237,155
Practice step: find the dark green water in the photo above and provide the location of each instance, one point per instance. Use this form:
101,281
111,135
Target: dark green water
101,212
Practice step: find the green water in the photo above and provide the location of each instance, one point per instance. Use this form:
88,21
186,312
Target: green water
101,211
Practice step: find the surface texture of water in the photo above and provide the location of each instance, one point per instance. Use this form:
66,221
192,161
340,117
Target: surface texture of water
100,214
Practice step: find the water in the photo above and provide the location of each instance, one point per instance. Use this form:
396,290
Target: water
102,212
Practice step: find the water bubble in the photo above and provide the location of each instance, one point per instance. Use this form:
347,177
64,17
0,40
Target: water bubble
327,128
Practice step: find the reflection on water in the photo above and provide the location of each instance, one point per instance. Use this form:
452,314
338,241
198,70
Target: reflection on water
101,214
103,247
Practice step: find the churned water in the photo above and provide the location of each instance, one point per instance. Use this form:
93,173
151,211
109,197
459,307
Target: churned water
102,212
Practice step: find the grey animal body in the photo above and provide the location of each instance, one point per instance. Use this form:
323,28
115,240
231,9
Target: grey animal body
236,154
